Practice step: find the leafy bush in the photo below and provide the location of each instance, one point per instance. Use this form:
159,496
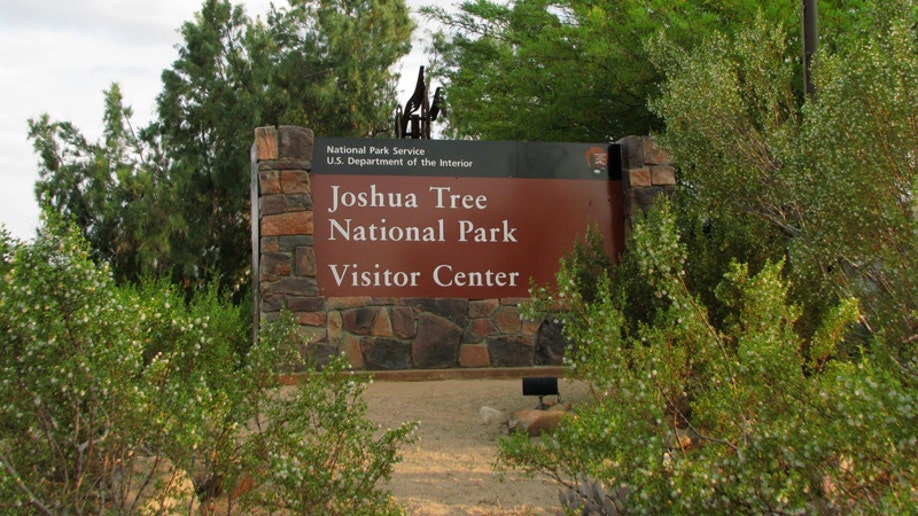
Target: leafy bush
747,416
314,452
69,366
756,353
825,182
128,399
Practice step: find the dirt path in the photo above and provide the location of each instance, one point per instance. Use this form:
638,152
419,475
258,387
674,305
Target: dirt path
448,471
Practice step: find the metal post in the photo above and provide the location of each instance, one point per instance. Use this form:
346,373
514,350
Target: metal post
810,42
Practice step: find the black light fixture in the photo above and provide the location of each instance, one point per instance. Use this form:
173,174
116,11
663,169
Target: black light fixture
541,386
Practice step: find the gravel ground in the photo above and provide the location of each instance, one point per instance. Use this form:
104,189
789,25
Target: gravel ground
448,471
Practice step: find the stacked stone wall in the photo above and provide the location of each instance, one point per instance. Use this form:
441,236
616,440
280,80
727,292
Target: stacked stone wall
647,174
395,333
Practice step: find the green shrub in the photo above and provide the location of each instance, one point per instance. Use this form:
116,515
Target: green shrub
69,363
746,416
130,399
756,353
315,452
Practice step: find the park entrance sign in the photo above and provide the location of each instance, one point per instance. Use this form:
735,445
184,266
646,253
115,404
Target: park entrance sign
456,219
417,254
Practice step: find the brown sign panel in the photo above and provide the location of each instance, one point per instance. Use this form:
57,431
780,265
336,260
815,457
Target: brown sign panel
388,226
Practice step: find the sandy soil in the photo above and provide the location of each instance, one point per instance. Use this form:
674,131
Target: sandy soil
448,471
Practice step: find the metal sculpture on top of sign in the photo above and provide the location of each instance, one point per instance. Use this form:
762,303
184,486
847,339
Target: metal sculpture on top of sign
411,124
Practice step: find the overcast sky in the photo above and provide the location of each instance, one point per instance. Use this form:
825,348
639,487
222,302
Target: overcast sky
57,57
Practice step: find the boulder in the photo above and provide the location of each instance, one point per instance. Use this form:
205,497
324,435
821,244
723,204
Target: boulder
491,415
534,422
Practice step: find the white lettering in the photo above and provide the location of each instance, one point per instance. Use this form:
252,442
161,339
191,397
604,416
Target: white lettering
371,199
409,151
444,276
502,233
384,233
456,201
375,278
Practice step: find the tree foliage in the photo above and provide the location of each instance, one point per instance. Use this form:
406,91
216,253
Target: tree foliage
116,190
172,198
829,184
568,70
754,350
348,47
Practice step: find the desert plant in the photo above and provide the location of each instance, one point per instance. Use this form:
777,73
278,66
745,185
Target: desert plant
746,416
132,399
73,419
313,450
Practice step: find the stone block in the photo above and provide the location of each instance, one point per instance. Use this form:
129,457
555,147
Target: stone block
474,355
477,330
403,322
294,143
511,351
549,344
319,354
639,177
360,320
284,165
269,182
383,353
663,175
298,202
437,343
334,325
342,303
272,204
455,310
268,317
312,318
274,266
530,328
507,320
293,286
270,244
293,223
305,304
632,151
312,334
304,260
294,182
350,345
382,326
514,301
483,307
642,199
654,154
272,302
290,243
266,143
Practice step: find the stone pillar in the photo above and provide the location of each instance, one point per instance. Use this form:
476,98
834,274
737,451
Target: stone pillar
282,226
647,173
